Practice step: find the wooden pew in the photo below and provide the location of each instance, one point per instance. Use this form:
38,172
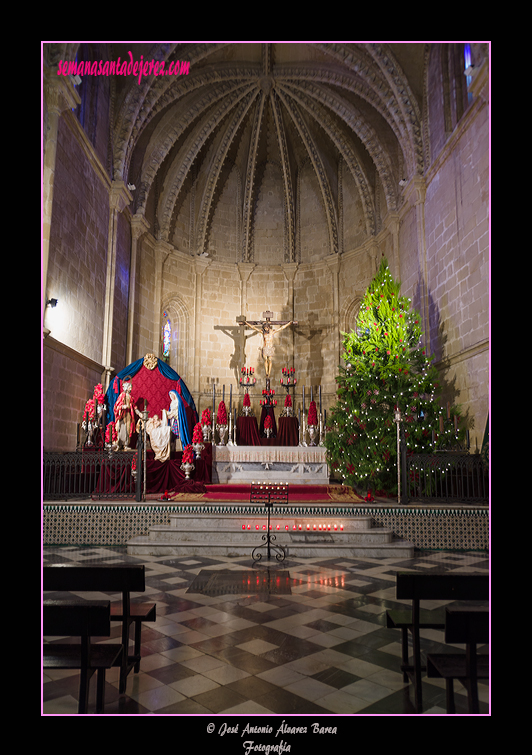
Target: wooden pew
122,578
419,586
84,619
469,626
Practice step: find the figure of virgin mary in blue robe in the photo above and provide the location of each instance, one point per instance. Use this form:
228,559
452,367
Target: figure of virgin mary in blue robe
161,387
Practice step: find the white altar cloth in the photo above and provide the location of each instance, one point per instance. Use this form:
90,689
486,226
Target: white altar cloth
291,464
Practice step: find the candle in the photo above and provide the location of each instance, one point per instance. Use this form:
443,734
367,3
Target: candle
230,398
223,393
320,399
213,398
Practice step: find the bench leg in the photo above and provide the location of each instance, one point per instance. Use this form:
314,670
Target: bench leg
449,693
404,633
138,630
100,691
84,683
418,690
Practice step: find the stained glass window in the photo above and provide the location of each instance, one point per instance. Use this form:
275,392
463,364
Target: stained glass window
167,336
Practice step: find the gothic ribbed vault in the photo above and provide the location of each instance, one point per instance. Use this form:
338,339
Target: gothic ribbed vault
331,108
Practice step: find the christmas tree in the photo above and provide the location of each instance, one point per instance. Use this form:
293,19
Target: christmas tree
386,369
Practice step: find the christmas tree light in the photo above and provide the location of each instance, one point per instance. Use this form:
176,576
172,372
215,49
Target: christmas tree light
386,368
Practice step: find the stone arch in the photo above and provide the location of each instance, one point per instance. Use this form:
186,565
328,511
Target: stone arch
180,358
349,313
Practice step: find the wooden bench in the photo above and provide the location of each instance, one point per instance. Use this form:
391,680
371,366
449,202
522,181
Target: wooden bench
418,586
469,626
86,620
122,578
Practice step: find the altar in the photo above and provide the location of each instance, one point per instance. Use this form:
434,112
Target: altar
300,465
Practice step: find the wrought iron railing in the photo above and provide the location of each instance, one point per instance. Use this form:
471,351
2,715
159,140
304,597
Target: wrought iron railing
446,476
96,474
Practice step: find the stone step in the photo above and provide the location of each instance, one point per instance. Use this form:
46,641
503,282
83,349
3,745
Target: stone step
144,545
167,534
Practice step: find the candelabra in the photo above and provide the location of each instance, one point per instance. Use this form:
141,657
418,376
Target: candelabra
247,378
288,379
267,398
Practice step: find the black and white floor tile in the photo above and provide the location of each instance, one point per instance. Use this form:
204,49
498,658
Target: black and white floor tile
234,638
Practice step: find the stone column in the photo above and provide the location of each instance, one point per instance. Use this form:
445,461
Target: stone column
290,270
416,193
245,269
201,264
333,263
139,226
60,95
119,199
162,250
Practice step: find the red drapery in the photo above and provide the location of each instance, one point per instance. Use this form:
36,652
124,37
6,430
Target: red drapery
247,432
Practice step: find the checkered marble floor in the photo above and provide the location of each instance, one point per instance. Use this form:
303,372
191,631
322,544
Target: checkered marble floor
305,636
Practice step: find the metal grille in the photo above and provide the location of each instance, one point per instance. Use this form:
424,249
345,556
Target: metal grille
80,475
446,477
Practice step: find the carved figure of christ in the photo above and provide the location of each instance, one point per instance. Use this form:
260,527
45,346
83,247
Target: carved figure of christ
267,331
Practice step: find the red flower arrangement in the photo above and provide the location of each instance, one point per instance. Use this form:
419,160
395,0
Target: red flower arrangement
247,402
206,418
188,455
222,414
268,422
312,414
89,409
197,435
110,433
288,400
99,395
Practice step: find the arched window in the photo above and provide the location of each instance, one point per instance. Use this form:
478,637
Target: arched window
167,337
468,65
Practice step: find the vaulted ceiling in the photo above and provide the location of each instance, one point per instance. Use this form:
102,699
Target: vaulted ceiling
295,104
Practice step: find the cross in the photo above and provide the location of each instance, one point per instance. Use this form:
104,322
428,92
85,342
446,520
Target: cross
265,328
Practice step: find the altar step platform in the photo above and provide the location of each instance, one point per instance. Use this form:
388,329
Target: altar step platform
313,521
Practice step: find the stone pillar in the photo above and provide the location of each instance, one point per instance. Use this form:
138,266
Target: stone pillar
333,263
162,250
139,226
119,199
290,270
245,269
416,193
201,264
392,225
60,95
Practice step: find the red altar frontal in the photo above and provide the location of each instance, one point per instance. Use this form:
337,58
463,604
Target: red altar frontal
285,432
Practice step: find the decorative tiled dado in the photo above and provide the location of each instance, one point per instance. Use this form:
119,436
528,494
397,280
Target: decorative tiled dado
108,524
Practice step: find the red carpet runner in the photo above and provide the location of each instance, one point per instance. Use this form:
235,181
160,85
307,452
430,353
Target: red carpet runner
296,494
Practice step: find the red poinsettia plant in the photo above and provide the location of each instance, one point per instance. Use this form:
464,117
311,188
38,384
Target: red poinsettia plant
99,395
268,422
222,414
288,400
110,433
247,402
312,414
197,435
206,418
89,409
188,455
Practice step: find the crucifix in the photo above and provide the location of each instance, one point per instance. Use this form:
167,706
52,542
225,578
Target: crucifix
266,329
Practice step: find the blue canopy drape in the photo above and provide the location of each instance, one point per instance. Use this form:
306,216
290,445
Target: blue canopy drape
167,372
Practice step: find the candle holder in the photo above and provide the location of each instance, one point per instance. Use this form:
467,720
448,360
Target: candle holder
247,378
267,397
268,495
288,379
